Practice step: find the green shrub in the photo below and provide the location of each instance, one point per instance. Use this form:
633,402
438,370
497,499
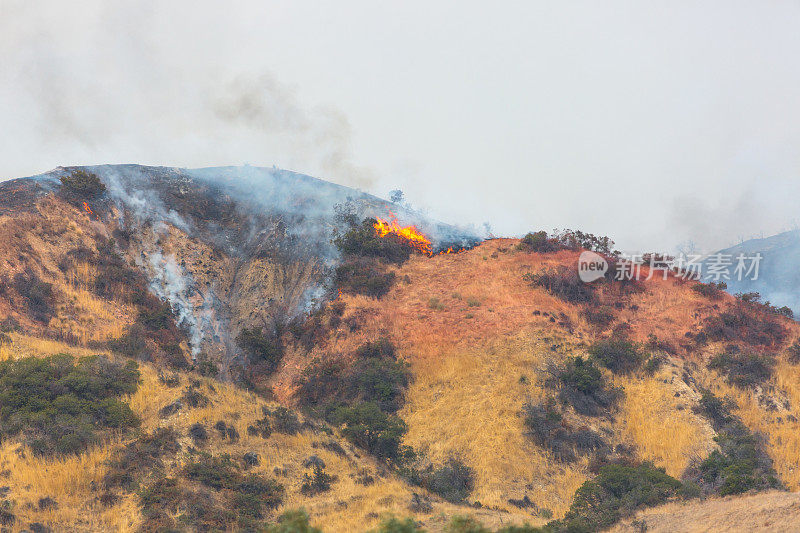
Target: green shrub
382,381
293,521
219,472
583,386
711,290
214,496
793,352
363,241
83,184
375,376
717,411
395,525
563,283
465,524
453,481
744,322
362,275
131,344
617,491
743,369
619,355
283,420
365,425
163,495
741,463
317,482
379,349
261,349
538,242
653,364
61,405
254,493
566,239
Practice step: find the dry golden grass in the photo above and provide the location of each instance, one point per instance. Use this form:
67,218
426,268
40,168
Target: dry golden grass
26,345
71,482
662,426
468,403
776,512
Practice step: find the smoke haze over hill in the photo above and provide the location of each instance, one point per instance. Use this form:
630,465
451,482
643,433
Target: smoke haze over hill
651,125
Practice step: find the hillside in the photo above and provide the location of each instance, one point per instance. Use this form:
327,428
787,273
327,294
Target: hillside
486,382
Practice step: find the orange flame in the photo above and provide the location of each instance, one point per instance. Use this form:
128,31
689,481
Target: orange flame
417,240
87,209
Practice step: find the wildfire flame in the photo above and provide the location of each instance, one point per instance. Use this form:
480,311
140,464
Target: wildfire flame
87,209
417,240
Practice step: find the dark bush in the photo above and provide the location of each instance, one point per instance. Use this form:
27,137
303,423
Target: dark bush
717,411
365,425
194,398
465,524
619,355
131,344
364,241
375,376
582,385
367,276
142,456
294,521
379,349
744,322
794,352
283,420
618,491
38,295
83,184
218,472
743,369
396,525
215,496
563,283
262,349
539,242
566,239
61,405
261,427
653,364
254,493
163,495
547,428
317,482
155,322
198,434
601,317
453,481
7,518
712,290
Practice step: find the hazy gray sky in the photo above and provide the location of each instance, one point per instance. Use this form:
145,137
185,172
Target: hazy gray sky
652,122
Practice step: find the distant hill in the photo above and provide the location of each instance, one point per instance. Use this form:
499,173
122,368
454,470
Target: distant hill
779,271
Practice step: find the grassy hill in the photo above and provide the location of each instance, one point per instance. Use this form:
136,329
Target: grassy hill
487,383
